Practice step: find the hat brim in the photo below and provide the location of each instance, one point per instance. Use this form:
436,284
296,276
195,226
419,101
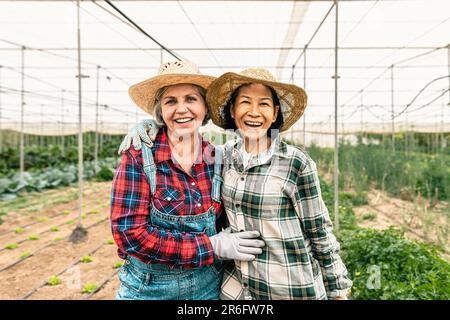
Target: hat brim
293,99
143,93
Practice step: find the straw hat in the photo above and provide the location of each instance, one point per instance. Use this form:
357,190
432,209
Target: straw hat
170,73
292,98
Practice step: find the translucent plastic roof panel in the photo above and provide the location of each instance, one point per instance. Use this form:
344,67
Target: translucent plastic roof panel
393,56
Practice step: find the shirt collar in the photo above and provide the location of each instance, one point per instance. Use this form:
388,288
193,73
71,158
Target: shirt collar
162,152
276,148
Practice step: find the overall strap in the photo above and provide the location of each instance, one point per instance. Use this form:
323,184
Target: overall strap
217,179
149,167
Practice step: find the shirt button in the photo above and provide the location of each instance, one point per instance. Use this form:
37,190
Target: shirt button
245,285
242,178
199,205
238,205
193,183
168,198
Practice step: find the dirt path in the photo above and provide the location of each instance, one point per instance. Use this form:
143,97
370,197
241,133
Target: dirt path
53,253
418,220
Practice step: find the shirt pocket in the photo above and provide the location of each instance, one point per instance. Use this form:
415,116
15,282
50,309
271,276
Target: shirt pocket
169,200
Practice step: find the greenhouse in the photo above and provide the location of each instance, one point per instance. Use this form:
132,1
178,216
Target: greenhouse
377,124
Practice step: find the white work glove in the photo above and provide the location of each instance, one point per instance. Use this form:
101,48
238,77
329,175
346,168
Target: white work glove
241,246
144,131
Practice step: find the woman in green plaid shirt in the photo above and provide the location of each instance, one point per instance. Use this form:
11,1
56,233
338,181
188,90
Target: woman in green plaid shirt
274,188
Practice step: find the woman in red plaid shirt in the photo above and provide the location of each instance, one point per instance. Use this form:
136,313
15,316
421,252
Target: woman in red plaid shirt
165,201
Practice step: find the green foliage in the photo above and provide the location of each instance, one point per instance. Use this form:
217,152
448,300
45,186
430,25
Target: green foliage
403,174
19,230
25,254
54,229
369,216
118,264
11,246
33,237
53,281
86,259
110,241
89,287
66,212
105,174
347,217
408,270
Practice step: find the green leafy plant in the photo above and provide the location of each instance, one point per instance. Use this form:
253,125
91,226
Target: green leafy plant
406,269
86,259
25,254
53,281
110,241
118,264
19,230
11,246
89,287
33,237
369,216
66,212
54,229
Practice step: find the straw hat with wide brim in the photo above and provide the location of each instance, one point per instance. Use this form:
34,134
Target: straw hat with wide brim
292,98
170,73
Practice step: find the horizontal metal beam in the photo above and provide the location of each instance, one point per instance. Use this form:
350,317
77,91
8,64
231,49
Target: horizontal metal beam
203,0
223,48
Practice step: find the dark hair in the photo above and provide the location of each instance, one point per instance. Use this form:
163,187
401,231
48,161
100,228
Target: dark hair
229,121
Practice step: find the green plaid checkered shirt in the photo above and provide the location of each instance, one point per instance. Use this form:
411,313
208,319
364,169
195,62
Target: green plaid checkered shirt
278,194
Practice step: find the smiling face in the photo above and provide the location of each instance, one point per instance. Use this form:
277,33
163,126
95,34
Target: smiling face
183,109
254,111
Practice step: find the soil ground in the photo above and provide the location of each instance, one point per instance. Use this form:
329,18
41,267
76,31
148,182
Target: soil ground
50,217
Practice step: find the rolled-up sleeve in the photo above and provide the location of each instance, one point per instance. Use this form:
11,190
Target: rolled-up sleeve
318,228
133,232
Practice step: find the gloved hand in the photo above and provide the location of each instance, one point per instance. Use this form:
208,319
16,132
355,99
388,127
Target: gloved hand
145,130
241,246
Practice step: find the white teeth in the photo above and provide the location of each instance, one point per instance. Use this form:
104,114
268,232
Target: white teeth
183,120
251,123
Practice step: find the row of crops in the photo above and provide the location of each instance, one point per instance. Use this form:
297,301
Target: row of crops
382,264
402,172
50,163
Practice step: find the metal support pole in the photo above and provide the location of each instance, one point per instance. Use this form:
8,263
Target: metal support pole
292,81
62,123
1,132
392,108
80,119
442,120
304,87
336,146
22,96
96,123
448,66
362,119
80,233
41,127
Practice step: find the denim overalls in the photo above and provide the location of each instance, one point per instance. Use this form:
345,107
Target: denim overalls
141,281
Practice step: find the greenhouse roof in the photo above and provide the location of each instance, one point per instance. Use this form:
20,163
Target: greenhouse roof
393,57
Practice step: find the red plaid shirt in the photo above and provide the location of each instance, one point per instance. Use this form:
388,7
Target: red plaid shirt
177,193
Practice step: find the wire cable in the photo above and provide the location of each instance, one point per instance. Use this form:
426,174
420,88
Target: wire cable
141,30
